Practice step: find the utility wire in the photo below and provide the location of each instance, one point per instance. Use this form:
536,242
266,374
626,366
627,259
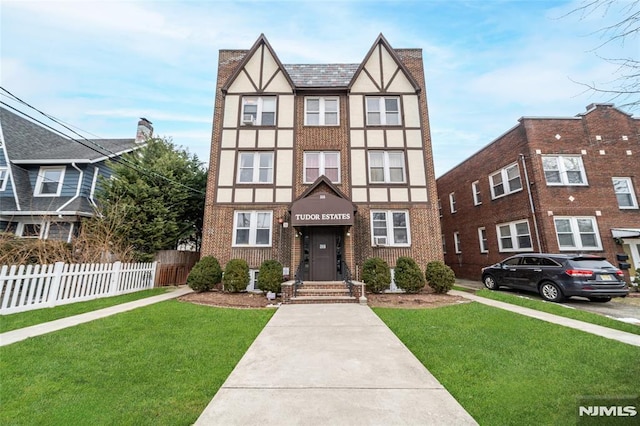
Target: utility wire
101,149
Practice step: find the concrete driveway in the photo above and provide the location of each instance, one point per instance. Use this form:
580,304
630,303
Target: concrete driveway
624,309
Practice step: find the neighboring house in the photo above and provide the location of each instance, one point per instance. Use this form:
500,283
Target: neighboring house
565,184
321,166
48,182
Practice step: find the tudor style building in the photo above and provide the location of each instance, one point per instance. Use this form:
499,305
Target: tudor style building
321,166
549,184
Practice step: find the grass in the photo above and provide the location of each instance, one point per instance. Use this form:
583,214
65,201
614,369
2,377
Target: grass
560,310
39,316
156,365
509,369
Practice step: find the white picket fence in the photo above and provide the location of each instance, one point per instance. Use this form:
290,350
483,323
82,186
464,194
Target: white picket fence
23,288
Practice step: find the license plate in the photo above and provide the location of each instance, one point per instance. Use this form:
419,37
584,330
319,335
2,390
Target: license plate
606,277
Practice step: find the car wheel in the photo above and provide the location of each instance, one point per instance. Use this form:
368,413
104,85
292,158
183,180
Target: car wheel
550,292
490,282
600,299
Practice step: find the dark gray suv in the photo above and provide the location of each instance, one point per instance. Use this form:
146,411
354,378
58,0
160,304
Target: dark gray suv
557,276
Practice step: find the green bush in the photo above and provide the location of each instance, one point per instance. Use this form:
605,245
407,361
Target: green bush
376,274
440,277
205,274
408,275
236,276
270,276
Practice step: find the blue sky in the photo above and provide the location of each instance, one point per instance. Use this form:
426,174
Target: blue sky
100,65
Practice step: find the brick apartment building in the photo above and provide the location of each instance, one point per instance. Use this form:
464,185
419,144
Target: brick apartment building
565,184
321,166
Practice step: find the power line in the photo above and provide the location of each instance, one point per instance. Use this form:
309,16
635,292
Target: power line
116,157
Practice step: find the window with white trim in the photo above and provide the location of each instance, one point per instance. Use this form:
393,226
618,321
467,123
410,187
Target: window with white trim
4,177
320,163
390,228
514,236
505,181
252,228
577,233
30,229
255,167
259,111
475,190
452,202
482,239
386,167
623,188
49,181
456,242
564,170
383,111
321,111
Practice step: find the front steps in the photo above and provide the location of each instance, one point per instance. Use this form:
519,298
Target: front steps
323,292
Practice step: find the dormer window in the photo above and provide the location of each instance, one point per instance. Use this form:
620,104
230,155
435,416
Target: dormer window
258,111
383,111
49,181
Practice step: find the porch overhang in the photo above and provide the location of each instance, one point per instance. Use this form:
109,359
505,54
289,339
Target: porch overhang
625,232
322,209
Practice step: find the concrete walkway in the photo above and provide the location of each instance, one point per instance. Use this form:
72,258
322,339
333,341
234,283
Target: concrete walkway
335,364
36,330
609,333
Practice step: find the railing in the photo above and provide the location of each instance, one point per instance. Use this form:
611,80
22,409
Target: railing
298,278
346,276
28,287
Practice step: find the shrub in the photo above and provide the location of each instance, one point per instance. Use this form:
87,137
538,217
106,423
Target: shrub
270,276
236,275
408,275
440,277
376,274
635,283
205,274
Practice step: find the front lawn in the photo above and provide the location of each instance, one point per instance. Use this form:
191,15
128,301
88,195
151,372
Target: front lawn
38,316
508,369
156,365
563,311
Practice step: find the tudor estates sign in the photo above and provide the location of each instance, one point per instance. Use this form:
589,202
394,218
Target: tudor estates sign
322,209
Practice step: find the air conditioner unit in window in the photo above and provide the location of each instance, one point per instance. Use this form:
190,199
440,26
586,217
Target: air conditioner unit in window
248,120
380,241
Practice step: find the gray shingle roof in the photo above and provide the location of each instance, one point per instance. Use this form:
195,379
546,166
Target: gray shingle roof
321,75
26,140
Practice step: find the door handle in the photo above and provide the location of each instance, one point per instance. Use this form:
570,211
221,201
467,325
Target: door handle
537,270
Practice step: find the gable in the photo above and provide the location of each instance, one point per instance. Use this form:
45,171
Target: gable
260,72
382,72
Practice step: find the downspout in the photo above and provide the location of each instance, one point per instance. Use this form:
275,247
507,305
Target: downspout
93,187
531,205
77,190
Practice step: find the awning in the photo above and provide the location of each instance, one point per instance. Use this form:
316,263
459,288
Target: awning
322,209
625,232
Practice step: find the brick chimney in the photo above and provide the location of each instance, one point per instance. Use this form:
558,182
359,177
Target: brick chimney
145,130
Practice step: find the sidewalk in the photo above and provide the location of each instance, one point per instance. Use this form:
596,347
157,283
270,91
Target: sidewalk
335,364
36,330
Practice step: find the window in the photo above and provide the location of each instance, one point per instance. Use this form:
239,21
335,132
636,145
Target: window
386,167
475,190
559,170
321,111
440,207
3,178
321,163
49,181
505,181
252,228
577,233
452,202
383,111
30,230
624,193
444,245
482,239
456,242
390,228
514,236
259,111
255,167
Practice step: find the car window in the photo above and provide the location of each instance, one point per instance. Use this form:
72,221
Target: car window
591,264
548,262
531,261
512,261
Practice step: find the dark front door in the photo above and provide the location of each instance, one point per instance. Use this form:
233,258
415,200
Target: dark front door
323,254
